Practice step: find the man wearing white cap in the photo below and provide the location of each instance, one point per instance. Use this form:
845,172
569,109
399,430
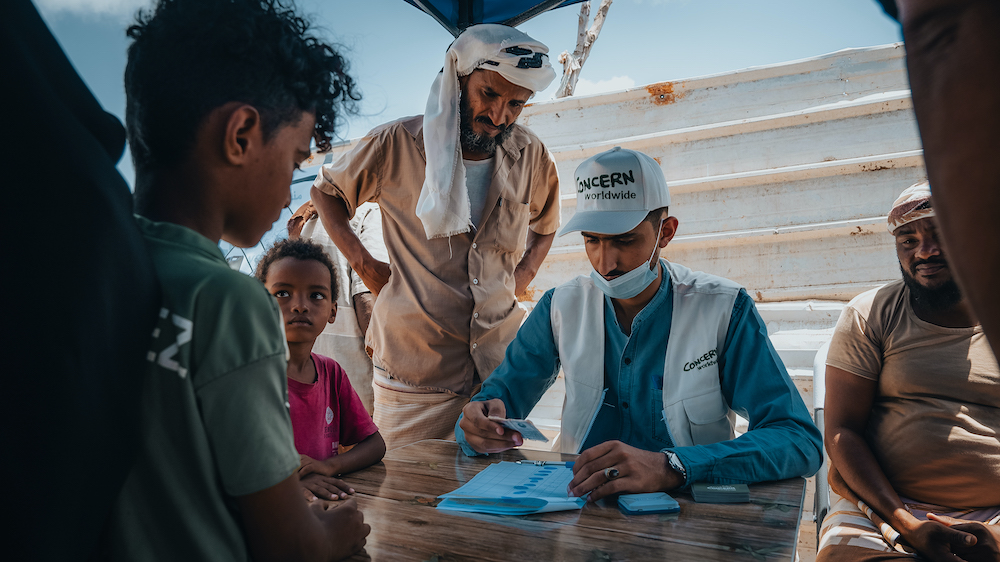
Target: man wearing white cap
912,412
470,204
658,359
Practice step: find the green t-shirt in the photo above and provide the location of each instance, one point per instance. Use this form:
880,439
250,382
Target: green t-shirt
215,407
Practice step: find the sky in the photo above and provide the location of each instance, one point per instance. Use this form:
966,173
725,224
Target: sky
395,50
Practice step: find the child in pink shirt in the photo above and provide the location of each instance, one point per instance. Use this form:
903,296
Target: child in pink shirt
327,414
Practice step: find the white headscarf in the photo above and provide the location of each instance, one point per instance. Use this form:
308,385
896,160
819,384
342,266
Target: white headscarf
443,206
913,204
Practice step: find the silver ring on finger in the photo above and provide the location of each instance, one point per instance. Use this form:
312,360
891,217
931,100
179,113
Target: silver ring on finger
611,473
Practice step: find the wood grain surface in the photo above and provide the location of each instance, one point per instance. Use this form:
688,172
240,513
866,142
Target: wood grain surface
398,497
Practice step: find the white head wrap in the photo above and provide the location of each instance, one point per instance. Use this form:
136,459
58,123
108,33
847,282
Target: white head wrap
443,206
914,203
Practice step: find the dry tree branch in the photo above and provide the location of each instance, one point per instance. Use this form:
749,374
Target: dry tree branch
585,39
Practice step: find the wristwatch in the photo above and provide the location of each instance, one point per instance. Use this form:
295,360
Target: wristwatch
675,463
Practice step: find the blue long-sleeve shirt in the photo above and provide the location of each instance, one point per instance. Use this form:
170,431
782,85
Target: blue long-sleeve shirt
782,440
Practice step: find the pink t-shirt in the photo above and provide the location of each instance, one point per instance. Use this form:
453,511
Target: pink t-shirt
328,412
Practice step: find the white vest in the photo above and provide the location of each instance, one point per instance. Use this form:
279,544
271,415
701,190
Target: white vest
694,409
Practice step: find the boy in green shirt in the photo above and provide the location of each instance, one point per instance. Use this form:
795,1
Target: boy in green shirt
223,98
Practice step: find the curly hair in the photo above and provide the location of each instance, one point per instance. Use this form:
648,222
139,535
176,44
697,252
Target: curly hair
301,250
189,57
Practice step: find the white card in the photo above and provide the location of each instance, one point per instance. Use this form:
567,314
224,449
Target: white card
524,427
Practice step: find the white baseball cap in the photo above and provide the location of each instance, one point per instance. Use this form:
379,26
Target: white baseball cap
615,190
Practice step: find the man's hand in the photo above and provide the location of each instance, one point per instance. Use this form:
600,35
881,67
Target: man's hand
638,471
299,219
935,541
487,436
535,249
280,525
522,278
349,522
985,548
374,273
324,487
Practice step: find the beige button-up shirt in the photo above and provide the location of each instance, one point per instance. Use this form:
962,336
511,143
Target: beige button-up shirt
449,308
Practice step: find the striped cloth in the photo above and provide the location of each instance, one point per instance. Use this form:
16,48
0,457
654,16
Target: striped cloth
405,416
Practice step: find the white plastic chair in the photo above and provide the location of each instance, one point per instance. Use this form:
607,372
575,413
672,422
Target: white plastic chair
821,498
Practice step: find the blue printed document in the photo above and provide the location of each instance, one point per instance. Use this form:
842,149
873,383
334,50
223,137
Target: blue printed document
507,488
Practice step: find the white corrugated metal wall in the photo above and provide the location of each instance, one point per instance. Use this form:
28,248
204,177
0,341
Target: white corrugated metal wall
781,177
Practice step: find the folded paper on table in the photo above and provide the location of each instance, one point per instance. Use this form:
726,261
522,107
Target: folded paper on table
508,488
509,506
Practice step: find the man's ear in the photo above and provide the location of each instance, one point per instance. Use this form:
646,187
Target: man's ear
243,133
668,230
333,313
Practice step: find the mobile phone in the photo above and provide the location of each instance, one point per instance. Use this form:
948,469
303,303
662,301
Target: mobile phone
653,502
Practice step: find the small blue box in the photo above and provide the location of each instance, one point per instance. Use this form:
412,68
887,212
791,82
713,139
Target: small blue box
653,502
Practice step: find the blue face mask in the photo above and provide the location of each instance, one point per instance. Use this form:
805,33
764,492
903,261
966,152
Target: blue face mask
632,283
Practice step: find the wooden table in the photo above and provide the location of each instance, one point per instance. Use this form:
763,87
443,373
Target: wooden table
398,497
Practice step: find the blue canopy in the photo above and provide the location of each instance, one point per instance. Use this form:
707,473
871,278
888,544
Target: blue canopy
456,15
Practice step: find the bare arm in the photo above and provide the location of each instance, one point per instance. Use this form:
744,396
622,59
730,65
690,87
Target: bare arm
280,525
333,214
849,400
364,303
364,454
953,58
536,248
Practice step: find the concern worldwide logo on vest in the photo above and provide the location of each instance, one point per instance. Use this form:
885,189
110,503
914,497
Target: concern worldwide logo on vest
706,360
600,187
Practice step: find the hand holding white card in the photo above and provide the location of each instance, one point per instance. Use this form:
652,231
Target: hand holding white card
524,427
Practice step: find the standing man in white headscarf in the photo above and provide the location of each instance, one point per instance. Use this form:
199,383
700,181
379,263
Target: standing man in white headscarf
470,204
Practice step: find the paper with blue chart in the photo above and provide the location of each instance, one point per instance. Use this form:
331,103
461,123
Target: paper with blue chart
510,488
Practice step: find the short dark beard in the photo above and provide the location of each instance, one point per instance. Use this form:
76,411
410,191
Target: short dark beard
937,299
474,142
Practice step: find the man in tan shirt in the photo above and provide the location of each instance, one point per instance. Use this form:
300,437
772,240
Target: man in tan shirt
912,412
470,204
